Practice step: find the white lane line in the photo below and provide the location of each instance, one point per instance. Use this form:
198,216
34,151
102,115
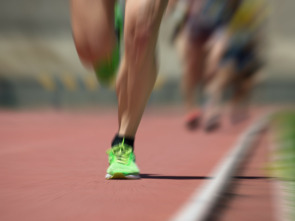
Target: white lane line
205,198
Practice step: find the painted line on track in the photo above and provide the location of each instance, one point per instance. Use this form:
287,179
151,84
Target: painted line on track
203,200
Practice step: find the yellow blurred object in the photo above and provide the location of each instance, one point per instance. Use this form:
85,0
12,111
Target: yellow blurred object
91,83
69,82
47,82
249,15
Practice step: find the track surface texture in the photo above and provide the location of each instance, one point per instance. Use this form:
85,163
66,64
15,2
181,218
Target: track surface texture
53,163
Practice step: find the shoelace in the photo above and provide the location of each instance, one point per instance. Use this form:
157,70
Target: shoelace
122,153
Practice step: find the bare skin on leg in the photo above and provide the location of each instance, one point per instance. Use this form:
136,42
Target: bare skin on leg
193,56
138,71
93,29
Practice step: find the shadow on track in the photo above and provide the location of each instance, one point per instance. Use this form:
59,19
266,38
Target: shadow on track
252,177
157,176
163,177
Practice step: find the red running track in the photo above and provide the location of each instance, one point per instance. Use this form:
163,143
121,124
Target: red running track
52,165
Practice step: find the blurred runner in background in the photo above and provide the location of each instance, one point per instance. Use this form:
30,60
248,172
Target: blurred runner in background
201,20
234,61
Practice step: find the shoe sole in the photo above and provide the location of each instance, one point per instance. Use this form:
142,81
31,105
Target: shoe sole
120,176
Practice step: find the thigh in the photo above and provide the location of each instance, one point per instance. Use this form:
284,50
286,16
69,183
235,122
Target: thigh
93,28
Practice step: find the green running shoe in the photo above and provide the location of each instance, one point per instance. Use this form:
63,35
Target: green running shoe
122,163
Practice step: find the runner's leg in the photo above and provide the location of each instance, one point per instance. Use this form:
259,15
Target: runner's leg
214,92
93,29
137,73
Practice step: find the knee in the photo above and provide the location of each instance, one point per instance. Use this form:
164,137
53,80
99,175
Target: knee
137,43
92,49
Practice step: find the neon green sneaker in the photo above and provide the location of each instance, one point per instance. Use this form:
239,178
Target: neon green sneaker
122,163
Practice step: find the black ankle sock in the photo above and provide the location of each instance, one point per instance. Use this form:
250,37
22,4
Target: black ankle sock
127,140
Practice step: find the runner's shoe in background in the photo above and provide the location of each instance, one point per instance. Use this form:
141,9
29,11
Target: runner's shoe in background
192,119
